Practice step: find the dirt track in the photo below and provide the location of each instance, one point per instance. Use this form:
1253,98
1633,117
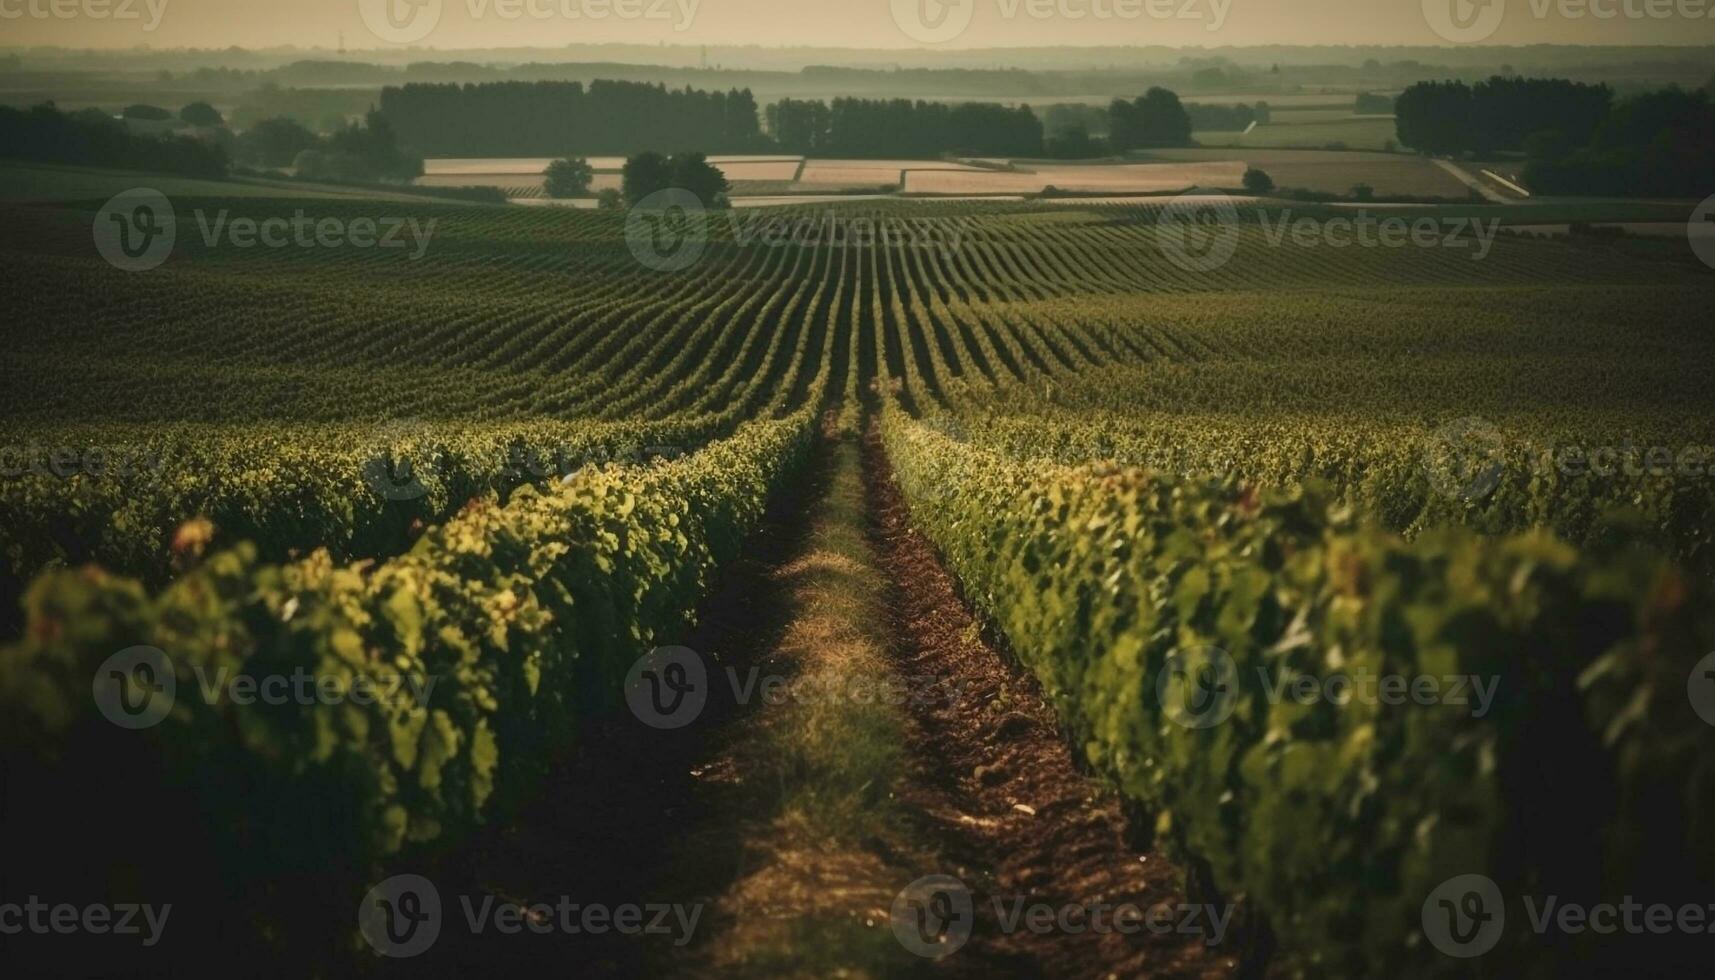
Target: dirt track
984,790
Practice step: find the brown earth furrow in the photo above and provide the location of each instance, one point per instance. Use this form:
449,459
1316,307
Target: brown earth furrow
981,756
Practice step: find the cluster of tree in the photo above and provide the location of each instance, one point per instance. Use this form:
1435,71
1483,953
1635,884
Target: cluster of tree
1074,143
1226,118
1371,104
322,109
1660,144
92,138
555,119
649,172
1153,119
569,177
1452,117
361,152
903,128
1062,117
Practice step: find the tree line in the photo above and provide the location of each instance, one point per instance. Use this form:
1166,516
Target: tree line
1452,117
553,119
1577,138
903,128
568,119
91,137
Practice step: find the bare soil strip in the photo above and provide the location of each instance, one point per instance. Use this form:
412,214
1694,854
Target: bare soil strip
894,744
992,773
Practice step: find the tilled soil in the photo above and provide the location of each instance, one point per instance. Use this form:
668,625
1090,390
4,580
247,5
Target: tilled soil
994,776
990,795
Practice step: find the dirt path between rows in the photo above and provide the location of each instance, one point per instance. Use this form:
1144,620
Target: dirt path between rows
993,773
792,829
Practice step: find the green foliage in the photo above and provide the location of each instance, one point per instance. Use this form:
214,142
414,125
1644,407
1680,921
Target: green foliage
526,616
275,142
1339,820
200,114
650,173
568,178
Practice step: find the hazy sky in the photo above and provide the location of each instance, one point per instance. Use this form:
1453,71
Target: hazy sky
850,23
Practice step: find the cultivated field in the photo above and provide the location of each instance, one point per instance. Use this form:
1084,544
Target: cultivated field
1164,463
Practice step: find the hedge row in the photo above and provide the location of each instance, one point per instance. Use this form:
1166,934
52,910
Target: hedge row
527,616
1589,776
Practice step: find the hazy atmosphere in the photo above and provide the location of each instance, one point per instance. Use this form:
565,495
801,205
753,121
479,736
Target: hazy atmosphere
841,23
861,489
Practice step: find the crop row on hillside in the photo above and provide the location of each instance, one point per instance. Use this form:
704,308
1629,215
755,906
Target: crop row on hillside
513,623
1164,620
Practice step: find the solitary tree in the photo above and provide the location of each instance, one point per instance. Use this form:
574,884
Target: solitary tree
201,114
649,172
569,178
693,172
644,174
1257,181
